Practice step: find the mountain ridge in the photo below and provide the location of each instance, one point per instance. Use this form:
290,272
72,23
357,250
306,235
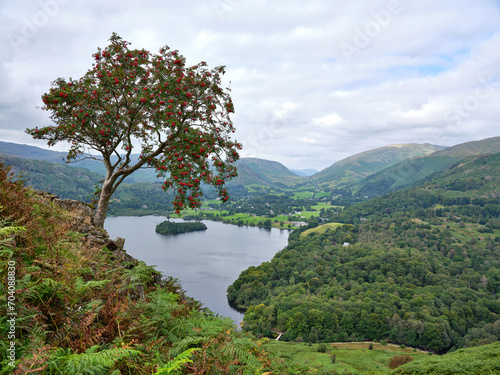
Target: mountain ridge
411,171
372,172
358,166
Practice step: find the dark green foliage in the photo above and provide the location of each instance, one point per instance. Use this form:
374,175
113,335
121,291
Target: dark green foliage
169,227
422,270
322,348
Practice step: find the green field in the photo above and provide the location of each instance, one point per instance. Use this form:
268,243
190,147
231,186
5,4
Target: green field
350,358
309,194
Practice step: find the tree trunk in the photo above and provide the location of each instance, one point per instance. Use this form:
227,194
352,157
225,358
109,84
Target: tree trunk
102,205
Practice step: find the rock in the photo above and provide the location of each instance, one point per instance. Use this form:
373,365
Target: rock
116,244
137,293
81,216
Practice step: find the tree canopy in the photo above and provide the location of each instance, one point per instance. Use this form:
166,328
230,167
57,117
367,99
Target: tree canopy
169,227
177,116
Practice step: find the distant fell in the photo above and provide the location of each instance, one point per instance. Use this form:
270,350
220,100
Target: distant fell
65,181
304,172
472,148
38,153
31,152
255,171
412,171
473,177
359,166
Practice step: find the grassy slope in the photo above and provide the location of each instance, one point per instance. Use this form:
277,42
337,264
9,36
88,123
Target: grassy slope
474,177
411,171
254,171
356,358
481,360
60,179
359,166
352,358
321,229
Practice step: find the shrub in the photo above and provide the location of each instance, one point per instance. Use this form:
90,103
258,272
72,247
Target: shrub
334,358
370,347
322,348
399,360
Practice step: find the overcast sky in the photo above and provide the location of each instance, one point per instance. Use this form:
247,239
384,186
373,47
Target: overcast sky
313,81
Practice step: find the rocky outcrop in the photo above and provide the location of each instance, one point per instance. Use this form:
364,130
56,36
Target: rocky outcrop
80,219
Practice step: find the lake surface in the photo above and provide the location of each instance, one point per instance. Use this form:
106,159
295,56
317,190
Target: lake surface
205,262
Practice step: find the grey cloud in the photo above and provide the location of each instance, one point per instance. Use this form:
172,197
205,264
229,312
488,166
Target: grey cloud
286,65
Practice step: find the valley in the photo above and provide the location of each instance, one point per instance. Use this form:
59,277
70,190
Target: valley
399,245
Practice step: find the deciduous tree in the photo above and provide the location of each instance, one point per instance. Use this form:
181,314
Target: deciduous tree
177,116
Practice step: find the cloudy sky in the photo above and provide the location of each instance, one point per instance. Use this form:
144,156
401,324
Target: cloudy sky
313,81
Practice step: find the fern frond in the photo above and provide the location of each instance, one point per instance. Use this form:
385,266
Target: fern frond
177,363
7,240
141,273
93,361
189,341
81,287
234,351
9,231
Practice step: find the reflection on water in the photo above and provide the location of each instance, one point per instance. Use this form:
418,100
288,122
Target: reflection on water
206,262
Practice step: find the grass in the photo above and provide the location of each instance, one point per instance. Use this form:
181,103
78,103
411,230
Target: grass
303,195
351,358
206,203
321,229
309,214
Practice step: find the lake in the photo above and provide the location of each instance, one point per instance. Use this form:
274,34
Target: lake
205,262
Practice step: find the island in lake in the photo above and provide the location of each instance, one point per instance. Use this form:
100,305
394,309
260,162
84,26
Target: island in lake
170,227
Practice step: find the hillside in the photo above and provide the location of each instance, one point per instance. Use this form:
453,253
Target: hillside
484,146
31,152
361,165
304,172
60,179
476,177
251,171
409,172
37,153
421,268
254,171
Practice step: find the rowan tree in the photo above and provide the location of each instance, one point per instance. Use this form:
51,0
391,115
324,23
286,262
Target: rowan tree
178,116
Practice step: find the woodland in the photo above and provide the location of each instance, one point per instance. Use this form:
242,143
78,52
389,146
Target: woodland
419,267
168,227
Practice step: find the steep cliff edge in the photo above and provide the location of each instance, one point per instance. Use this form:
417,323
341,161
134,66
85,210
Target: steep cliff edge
81,215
